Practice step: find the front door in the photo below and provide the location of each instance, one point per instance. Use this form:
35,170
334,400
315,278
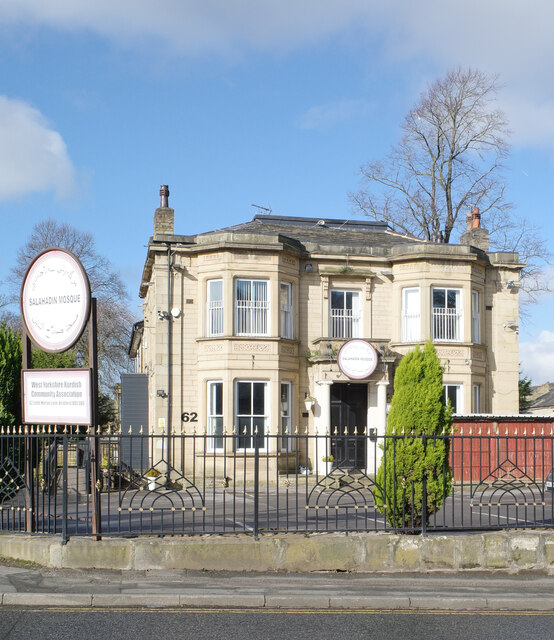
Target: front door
348,413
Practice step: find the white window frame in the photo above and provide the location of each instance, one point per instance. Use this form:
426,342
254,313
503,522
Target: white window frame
456,389
411,317
214,416
475,317
447,322
344,322
252,312
214,308
249,419
285,407
476,398
285,291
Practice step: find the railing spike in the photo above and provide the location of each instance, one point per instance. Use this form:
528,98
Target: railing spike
355,430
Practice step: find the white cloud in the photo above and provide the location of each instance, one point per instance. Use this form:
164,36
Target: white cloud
323,116
537,358
33,157
502,36
189,26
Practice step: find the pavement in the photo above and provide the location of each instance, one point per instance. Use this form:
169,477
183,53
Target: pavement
34,586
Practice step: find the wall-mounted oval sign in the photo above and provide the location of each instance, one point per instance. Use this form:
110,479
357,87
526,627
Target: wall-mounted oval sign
357,359
55,300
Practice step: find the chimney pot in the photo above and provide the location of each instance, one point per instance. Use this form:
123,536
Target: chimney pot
469,220
476,218
164,196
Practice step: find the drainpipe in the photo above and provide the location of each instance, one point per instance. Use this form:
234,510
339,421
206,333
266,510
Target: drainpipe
169,359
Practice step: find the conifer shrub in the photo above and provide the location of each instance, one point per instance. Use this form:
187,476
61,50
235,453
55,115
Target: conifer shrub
418,408
10,376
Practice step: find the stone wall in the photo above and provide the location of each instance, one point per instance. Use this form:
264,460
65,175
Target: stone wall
509,552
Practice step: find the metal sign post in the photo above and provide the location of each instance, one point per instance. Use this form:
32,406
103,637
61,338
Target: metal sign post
29,476
93,440
56,306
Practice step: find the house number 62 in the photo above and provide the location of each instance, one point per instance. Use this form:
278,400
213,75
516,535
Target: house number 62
189,416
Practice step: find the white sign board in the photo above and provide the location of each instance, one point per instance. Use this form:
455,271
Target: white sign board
55,300
57,396
357,359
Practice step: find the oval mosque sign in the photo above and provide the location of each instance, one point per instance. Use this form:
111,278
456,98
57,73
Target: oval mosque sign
357,359
55,300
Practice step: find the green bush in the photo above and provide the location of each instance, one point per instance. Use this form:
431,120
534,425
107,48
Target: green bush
10,376
418,408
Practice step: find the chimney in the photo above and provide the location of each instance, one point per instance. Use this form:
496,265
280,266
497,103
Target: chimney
476,218
164,216
475,235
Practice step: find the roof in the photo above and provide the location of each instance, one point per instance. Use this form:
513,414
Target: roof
544,401
358,234
310,236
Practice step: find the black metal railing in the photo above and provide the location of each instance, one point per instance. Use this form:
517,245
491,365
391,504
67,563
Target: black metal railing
287,482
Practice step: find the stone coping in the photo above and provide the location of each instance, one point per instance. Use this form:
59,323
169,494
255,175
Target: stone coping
510,552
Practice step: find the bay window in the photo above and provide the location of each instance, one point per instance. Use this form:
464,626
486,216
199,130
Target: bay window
285,295
251,308
411,315
344,320
475,318
215,416
476,398
453,394
214,311
447,314
251,413
286,424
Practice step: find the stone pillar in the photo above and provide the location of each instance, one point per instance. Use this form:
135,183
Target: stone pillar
322,423
382,406
374,452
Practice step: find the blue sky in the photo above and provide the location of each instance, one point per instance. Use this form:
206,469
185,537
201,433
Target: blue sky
242,102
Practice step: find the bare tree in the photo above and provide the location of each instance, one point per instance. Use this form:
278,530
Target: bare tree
7,316
448,161
114,316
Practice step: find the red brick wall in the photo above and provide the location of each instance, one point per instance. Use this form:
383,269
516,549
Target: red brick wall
482,450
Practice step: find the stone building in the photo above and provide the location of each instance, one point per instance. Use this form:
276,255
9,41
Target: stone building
243,326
